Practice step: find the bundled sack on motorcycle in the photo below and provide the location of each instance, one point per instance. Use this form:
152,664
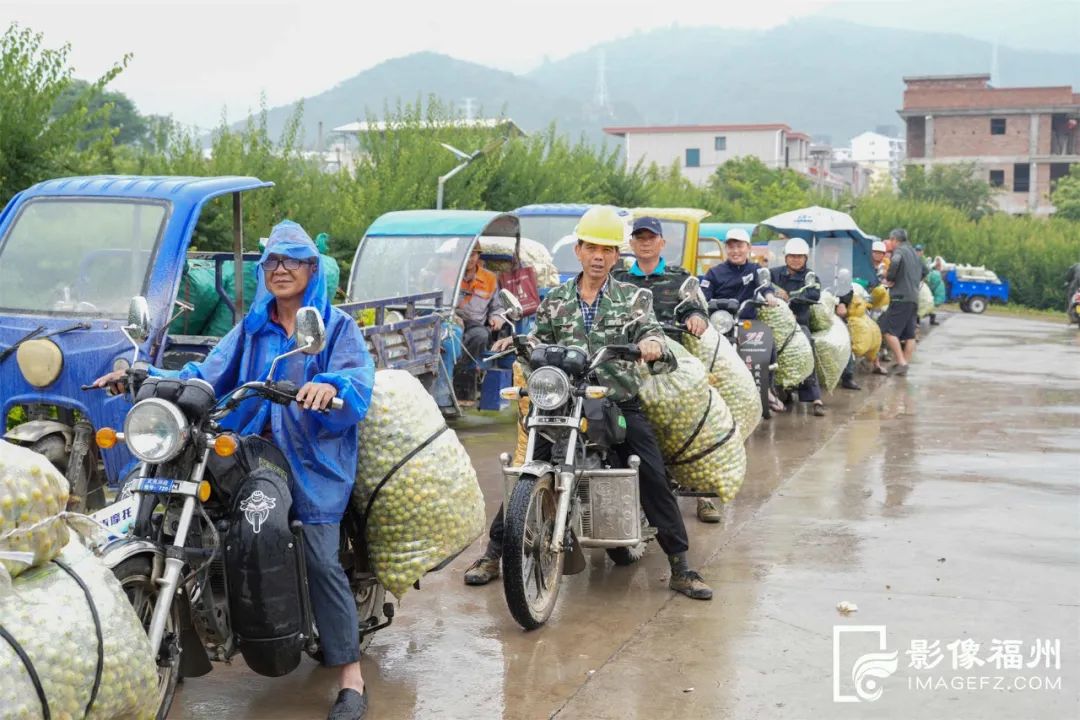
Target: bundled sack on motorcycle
415,483
532,253
33,498
698,436
879,297
795,358
865,333
926,300
730,376
832,349
822,312
71,646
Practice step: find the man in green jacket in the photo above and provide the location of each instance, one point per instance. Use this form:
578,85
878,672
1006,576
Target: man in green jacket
591,311
651,271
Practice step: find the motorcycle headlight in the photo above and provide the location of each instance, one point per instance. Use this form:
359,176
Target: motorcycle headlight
723,321
549,388
155,430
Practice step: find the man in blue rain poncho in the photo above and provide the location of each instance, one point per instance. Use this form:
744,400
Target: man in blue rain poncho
321,448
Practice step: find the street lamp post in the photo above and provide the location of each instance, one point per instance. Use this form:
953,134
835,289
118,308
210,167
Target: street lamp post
466,160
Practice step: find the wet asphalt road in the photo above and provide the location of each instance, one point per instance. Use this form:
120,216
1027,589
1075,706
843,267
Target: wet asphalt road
945,506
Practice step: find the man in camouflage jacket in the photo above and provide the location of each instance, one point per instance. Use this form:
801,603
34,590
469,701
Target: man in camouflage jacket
593,310
651,271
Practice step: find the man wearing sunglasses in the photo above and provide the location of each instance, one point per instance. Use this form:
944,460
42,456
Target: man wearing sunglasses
321,448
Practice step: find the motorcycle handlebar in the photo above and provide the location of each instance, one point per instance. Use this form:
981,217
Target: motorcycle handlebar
625,352
287,390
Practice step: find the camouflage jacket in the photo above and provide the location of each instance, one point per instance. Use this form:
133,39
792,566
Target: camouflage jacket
559,322
664,282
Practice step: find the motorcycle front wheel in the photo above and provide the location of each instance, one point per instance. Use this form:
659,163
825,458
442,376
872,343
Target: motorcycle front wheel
531,571
135,576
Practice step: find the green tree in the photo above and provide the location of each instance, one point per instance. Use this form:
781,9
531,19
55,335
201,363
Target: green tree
1066,195
35,144
957,185
109,109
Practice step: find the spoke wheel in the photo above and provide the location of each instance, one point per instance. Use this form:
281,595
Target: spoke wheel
134,575
531,571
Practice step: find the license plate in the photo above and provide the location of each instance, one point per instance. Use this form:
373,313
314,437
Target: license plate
158,486
119,516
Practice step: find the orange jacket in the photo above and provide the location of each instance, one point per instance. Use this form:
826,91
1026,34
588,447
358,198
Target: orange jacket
478,296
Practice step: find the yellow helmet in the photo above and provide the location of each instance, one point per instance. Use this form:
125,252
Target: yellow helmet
603,225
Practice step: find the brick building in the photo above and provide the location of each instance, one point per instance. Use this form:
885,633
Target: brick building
1021,139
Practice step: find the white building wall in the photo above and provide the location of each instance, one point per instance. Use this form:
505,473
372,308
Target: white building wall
665,148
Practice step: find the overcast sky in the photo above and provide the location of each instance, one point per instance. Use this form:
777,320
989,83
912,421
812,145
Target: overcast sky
193,59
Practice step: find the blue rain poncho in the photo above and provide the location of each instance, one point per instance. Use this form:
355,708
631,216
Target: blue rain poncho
321,448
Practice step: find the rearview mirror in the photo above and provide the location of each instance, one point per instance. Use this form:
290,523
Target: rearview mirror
640,307
690,294
640,304
513,311
690,286
310,331
138,324
763,276
811,277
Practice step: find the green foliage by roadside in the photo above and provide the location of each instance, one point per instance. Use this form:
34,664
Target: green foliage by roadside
35,145
955,185
1066,195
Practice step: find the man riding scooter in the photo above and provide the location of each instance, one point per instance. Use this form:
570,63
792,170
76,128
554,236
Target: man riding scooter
735,279
590,311
652,272
321,447
790,279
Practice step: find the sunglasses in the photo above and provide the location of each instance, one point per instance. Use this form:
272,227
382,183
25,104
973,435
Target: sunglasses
272,263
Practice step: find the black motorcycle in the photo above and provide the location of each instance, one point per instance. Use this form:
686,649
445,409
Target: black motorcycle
752,338
578,497
213,565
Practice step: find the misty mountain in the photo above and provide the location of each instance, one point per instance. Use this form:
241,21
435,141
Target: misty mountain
819,75
1050,25
414,78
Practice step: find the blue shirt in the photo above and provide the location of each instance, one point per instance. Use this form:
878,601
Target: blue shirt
660,267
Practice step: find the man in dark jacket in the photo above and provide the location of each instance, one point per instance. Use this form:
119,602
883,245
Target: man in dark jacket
900,319
791,284
651,271
735,278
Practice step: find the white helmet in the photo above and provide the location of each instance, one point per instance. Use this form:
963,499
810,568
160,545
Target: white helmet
878,246
796,246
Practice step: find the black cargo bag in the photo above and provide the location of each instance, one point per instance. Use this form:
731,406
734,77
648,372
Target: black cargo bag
606,424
